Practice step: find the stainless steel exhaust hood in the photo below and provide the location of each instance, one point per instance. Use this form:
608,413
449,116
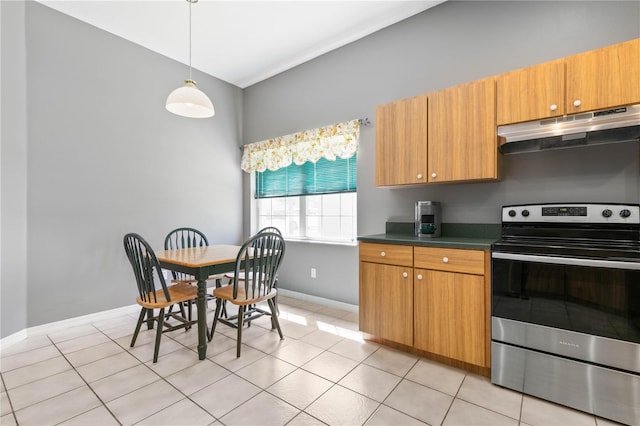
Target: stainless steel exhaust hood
613,125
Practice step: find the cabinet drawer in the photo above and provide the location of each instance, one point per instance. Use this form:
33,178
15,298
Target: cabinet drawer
448,259
389,254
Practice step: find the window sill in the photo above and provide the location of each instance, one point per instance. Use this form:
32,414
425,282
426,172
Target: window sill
323,242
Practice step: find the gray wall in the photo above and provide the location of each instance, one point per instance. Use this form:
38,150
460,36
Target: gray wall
13,170
88,152
103,158
453,43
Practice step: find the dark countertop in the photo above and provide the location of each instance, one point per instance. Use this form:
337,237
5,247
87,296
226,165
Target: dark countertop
470,236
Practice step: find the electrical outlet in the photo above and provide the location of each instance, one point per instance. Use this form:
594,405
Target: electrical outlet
313,272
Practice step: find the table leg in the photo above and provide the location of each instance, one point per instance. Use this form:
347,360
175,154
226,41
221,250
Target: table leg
202,318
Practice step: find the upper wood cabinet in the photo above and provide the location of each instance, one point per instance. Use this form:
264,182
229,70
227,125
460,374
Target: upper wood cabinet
604,78
462,133
597,79
452,135
401,142
531,93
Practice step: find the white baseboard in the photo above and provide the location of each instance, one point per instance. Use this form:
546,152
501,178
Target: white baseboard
59,325
319,300
84,319
71,322
13,339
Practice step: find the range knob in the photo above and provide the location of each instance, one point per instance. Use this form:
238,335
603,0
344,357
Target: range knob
625,213
512,213
608,213
525,213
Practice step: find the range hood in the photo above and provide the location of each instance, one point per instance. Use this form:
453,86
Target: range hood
613,125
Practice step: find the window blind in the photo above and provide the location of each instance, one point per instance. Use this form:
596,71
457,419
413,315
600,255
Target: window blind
322,177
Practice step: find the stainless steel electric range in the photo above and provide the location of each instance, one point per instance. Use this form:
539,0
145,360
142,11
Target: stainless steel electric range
566,306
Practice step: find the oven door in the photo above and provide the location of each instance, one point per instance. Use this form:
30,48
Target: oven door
583,309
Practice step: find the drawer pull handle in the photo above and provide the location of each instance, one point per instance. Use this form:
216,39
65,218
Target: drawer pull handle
383,254
445,259
404,274
577,103
553,107
419,276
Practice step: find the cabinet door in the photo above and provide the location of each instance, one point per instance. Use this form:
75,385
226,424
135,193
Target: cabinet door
604,78
531,93
386,301
450,315
462,133
401,142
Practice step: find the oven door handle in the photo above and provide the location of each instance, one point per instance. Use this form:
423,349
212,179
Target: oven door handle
595,263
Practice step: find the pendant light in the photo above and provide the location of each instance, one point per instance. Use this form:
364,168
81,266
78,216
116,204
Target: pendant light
188,100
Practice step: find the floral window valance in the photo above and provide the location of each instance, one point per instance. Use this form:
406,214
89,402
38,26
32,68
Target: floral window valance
330,142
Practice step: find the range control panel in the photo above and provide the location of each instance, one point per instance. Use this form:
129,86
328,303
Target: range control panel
573,212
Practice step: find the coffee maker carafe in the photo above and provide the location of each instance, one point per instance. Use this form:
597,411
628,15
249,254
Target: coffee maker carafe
427,222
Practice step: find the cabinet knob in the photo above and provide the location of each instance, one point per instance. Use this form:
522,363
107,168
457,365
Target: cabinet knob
577,103
445,259
405,274
419,176
553,107
383,254
419,276
433,175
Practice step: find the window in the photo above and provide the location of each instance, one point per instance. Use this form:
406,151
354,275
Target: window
305,184
327,217
315,201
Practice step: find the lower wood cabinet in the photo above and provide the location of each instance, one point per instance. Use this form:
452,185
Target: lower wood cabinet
429,298
449,315
386,301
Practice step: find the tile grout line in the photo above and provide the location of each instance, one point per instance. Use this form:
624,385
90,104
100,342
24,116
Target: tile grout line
264,389
337,382
296,369
85,382
306,371
404,377
231,373
9,399
454,398
164,379
186,347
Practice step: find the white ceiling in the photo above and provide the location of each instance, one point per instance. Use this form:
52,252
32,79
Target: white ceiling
241,42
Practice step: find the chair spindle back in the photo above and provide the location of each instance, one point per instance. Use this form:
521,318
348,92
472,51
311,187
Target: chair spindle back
257,262
184,238
144,263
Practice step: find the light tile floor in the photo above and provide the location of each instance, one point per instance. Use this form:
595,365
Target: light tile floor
323,372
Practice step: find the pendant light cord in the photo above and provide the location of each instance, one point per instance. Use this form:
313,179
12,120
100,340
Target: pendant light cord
190,3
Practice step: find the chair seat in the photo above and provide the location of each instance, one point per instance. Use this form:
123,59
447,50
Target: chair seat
178,293
226,293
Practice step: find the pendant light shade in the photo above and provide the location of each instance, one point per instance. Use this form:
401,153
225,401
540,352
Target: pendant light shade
188,100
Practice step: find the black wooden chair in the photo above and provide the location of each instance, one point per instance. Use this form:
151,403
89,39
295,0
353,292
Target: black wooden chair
257,262
154,292
230,275
188,238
